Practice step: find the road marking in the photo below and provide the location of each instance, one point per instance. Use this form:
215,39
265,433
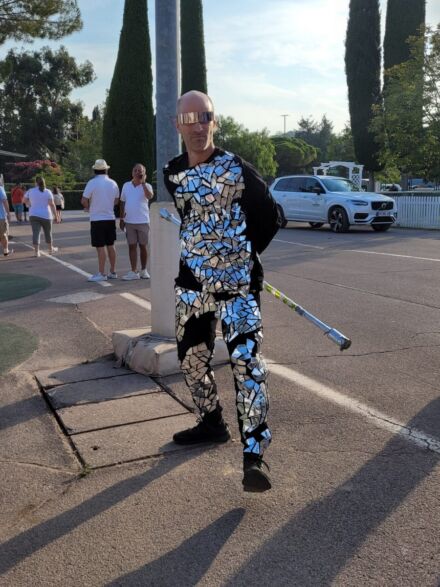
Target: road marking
69,266
413,435
278,240
79,297
137,300
391,255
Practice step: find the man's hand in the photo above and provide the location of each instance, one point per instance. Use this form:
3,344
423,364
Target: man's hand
121,223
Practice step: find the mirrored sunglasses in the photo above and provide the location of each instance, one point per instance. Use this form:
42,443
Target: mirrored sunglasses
193,117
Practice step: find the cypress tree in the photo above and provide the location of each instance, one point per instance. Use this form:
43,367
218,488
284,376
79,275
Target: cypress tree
128,129
404,19
192,46
362,68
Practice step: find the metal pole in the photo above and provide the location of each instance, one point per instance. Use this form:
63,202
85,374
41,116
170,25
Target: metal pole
163,246
167,87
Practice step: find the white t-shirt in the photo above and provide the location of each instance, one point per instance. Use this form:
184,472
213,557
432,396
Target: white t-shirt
102,193
135,203
39,203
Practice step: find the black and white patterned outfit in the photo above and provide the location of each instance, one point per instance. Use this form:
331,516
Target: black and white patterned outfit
228,218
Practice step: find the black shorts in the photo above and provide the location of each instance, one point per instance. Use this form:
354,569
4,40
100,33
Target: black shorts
103,232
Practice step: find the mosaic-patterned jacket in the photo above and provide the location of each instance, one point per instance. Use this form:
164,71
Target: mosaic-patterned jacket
228,218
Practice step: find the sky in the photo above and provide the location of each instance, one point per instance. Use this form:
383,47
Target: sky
265,58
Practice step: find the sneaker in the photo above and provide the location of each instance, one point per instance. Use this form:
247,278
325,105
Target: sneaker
53,250
256,474
37,254
145,274
112,275
97,277
204,432
131,275
7,253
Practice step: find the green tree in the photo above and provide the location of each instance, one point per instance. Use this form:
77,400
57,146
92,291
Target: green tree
403,20
341,147
128,132
36,114
411,146
317,134
24,20
192,46
85,145
362,66
254,147
293,155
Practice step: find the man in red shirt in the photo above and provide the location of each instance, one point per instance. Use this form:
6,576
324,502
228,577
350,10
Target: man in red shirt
17,195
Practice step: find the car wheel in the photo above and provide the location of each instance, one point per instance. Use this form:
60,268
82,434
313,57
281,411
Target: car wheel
338,220
283,222
316,224
381,227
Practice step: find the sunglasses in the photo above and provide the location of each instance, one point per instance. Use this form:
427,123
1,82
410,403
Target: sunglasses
193,117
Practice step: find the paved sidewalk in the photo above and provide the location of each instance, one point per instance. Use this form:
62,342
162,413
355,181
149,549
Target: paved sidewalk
112,415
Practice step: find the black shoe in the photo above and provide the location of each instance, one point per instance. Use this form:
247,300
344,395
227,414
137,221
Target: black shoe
256,474
204,432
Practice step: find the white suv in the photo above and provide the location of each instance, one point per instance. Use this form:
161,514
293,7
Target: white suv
321,199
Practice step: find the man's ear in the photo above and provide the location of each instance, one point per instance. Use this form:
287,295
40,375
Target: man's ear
176,124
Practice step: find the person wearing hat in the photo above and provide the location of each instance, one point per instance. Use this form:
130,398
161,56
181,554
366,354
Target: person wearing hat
100,196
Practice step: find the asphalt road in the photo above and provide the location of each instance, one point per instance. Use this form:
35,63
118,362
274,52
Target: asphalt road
356,434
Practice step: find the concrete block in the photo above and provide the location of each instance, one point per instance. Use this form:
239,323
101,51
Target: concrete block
152,355
75,373
99,390
120,411
134,441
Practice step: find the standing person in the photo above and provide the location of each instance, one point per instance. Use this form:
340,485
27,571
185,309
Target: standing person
228,219
42,211
100,196
59,201
135,218
17,196
5,217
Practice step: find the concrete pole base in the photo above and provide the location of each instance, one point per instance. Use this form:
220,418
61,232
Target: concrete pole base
149,354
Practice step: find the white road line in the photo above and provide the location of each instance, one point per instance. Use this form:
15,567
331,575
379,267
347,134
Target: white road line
137,300
417,437
278,240
392,255
69,266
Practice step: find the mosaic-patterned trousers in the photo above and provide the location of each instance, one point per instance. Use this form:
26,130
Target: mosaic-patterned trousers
196,319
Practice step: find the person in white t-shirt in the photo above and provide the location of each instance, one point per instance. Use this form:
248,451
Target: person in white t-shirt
135,218
42,212
5,216
100,196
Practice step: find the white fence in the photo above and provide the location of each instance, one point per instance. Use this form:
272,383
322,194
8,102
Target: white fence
421,210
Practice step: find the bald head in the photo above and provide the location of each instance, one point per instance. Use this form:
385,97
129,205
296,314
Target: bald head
196,123
194,101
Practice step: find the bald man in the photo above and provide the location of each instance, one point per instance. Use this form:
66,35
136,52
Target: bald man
228,219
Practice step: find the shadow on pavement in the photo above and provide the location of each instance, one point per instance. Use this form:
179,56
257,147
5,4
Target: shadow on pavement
22,411
187,564
30,541
313,547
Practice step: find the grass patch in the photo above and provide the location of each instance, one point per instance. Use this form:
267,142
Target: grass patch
16,345
15,285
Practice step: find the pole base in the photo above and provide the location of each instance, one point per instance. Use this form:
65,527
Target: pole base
149,354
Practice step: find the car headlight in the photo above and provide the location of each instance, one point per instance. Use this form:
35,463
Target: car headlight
359,202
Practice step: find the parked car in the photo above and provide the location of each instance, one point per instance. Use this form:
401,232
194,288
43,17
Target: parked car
319,200
390,187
